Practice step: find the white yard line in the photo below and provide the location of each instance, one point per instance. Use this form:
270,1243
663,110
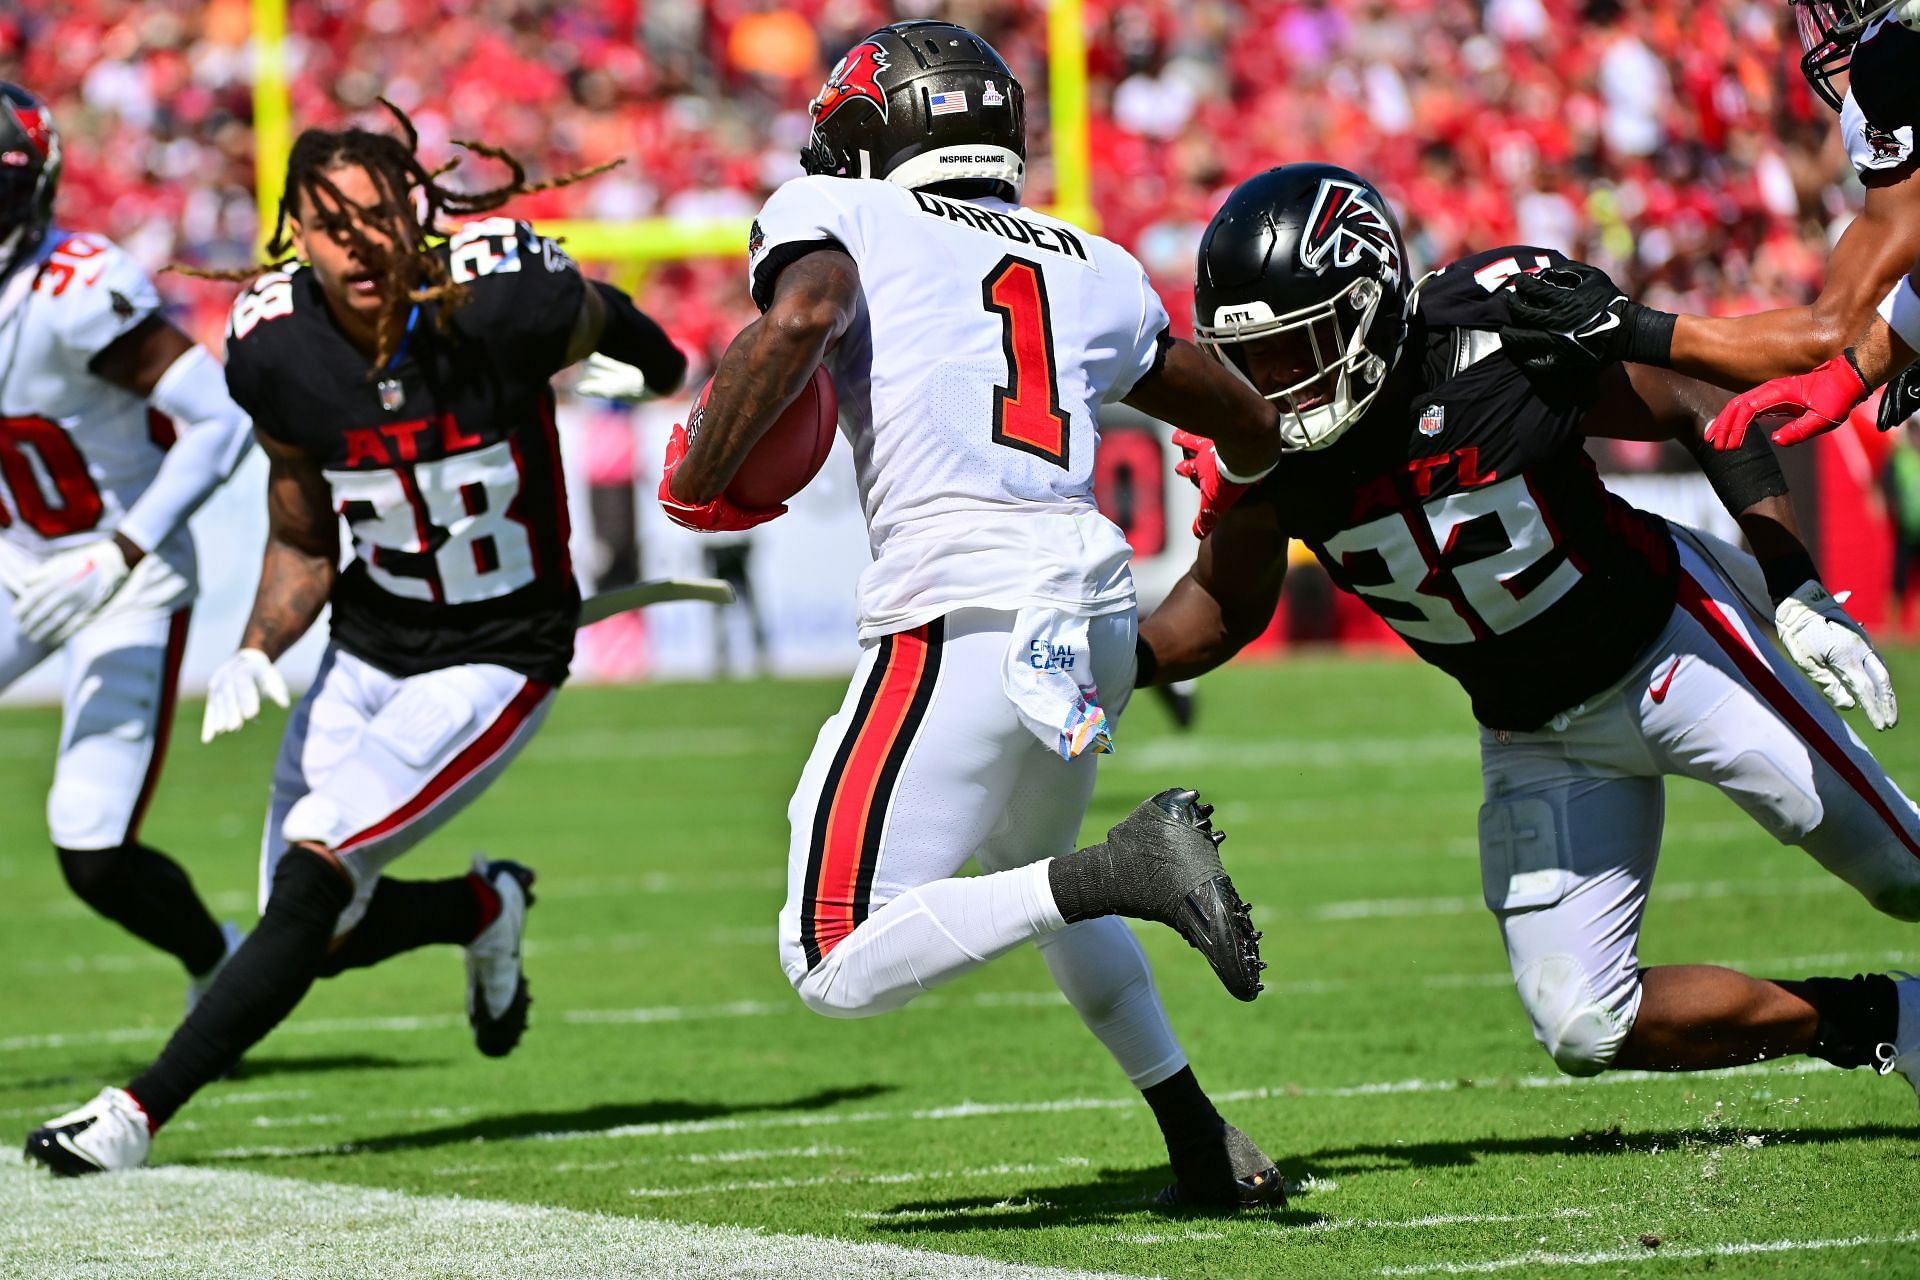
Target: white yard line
860,1179
175,1224
1614,1257
968,1110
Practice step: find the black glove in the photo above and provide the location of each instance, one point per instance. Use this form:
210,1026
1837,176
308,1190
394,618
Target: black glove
1901,399
1573,320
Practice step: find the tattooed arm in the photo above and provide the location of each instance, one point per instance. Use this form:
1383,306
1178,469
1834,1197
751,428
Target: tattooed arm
303,552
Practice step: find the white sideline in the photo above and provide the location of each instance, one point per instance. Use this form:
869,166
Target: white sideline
1606,1257
172,1224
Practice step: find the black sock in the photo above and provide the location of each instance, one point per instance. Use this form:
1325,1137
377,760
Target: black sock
1183,1110
148,894
1857,1015
261,984
404,914
1080,883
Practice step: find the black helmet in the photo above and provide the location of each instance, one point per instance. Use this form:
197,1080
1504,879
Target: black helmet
1309,253
1828,31
29,171
922,104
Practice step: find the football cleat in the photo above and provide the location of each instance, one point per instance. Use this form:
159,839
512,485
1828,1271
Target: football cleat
1245,1179
198,986
496,988
108,1134
1165,864
1903,1055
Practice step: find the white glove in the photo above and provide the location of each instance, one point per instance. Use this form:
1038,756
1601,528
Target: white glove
233,693
67,590
1834,651
604,378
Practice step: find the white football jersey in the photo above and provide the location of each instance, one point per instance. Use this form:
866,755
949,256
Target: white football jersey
75,450
969,386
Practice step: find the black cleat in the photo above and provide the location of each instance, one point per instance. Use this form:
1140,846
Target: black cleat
1165,866
1178,699
1229,1173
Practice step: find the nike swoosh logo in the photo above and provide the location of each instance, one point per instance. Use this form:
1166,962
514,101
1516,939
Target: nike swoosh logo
67,1143
1612,321
1659,691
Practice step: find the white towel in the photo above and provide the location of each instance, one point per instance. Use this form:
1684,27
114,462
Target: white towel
1049,680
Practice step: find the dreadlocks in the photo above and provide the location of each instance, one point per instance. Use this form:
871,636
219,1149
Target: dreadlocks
413,202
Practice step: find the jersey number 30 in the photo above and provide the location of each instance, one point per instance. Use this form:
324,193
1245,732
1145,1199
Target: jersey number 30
483,550
1026,411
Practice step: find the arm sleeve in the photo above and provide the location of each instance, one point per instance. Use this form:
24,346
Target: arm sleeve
633,337
798,219
100,294
1148,346
523,293
214,434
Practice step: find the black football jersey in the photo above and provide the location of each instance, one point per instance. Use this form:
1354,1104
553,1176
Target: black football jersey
1466,513
1881,112
445,464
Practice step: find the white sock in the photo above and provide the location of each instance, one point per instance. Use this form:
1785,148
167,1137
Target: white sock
1104,974
930,935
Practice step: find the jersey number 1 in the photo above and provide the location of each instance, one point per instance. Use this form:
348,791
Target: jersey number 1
1026,411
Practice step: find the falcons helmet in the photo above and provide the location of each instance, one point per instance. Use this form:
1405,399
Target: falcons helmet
922,104
1302,289
29,172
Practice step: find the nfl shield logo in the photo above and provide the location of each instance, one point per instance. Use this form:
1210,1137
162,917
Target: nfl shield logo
392,394
1433,420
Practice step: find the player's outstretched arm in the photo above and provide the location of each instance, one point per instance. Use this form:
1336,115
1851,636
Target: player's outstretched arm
1873,252
1198,394
764,368
1641,403
630,357
1223,602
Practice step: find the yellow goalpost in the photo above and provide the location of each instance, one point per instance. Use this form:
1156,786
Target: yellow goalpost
641,242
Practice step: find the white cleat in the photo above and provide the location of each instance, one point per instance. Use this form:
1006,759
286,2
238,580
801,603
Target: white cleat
108,1134
1903,1055
496,989
199,986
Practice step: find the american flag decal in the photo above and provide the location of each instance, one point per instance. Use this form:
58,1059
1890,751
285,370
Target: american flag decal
946,104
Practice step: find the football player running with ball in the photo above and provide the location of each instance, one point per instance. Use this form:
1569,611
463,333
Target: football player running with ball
1602,647
400,383
972,342
114,428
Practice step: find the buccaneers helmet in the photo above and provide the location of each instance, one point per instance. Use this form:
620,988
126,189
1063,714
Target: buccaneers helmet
922,104
1302,288
29,171
1828,31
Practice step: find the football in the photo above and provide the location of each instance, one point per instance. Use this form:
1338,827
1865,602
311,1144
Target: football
794,448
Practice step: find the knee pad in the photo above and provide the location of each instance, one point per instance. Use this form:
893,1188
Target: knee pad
315,819
1579,1029
308,890
90,873
821,991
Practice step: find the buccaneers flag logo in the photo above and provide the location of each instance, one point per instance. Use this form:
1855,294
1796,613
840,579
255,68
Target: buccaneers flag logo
1344,224
854,76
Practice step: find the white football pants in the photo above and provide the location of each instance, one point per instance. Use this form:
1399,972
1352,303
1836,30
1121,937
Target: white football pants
1570,830
926,767
372,763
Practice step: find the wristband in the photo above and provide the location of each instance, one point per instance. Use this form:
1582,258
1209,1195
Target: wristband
1220,465
1785,574
1650,335
1901,310
1146,663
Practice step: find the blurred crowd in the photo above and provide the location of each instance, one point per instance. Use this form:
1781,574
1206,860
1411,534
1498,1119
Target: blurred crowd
1670,140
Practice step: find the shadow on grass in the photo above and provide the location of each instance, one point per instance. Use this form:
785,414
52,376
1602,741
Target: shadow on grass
316,1063
585,1121
1109,1196
1614,1141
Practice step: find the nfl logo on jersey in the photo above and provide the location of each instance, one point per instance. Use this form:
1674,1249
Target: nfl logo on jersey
1433,420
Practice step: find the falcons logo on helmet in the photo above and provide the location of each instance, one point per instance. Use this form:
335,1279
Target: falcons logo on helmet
1344,224
854,77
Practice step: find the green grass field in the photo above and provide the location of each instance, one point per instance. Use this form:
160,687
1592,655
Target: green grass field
671,1076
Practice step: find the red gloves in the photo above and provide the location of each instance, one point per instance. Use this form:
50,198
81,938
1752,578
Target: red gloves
717,516
1825,396
1202,466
